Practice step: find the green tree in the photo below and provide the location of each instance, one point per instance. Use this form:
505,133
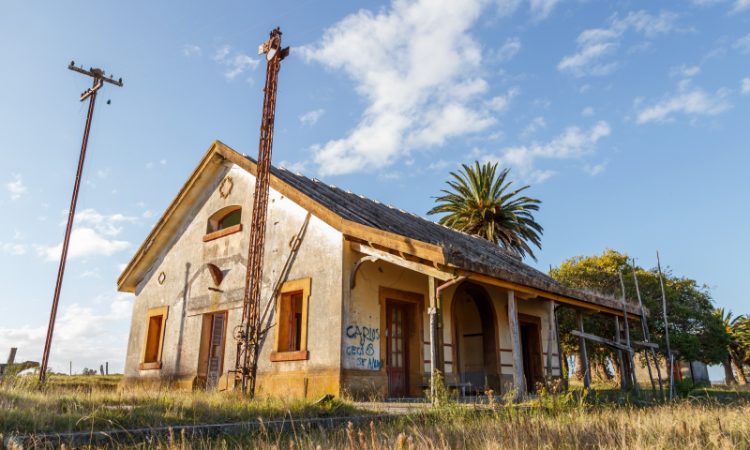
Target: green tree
696,334
481,202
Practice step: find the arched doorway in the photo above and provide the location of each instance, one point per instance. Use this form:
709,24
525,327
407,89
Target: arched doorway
475,338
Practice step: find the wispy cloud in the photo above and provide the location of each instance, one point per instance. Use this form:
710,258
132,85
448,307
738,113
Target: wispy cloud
685,71
743,44
745,85
740,6
191,50
16,188
236,62
536,124
689,101
420,91
541,9
310,118
501,103
596,43
595,169
13,248
508,50
538,9
573,143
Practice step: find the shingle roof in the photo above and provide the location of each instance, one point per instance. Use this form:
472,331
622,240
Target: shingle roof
460,250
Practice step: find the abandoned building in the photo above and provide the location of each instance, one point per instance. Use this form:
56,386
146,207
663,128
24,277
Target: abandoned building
356,297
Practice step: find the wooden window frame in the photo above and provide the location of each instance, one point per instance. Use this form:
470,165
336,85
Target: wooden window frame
153,312
290,287
216,219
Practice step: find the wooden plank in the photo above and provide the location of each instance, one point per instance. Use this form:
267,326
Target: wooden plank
645,344
600,340
401,262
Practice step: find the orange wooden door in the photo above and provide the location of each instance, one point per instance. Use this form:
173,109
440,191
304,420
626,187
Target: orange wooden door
397,350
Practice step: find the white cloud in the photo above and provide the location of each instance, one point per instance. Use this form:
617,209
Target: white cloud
745,85
86,335
538,9
108,225
93,235
510,48
691,101
420,91
310,118
595,169
741,5
572,144
536,124
507,7
84,242
596,43
13,248
500,103
191,50
685,71
236,63
16,188
541,9
587,111
743,44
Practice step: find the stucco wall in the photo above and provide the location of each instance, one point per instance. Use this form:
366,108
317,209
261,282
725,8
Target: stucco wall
186,292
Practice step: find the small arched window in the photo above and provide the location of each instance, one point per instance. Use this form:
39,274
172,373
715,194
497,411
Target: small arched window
225,221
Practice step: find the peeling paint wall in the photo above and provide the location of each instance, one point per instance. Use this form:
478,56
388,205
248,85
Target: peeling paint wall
186,282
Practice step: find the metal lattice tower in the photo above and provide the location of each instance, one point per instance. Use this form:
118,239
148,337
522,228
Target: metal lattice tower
249,332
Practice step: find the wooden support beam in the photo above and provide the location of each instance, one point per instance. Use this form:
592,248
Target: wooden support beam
584,357
600,340
620,359
432,311
550,334
632,378
401,262
519,381
653,345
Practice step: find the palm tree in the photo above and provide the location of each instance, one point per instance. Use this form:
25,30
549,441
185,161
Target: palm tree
740,345
481,202
726,319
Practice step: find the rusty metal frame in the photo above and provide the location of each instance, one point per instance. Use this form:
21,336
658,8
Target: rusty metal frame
249,333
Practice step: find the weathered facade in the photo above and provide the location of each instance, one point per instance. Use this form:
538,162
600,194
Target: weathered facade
353,312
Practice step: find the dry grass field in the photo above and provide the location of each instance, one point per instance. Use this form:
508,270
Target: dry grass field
714,418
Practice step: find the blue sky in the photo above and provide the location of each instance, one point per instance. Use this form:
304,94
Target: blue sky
628,118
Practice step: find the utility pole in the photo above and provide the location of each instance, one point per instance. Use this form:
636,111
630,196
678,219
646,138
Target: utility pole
250,330
99,79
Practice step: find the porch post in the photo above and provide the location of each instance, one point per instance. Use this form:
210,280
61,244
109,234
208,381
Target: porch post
620,360
584,355
432,311
519,382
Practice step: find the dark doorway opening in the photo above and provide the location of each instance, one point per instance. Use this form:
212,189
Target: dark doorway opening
531,350
476,338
